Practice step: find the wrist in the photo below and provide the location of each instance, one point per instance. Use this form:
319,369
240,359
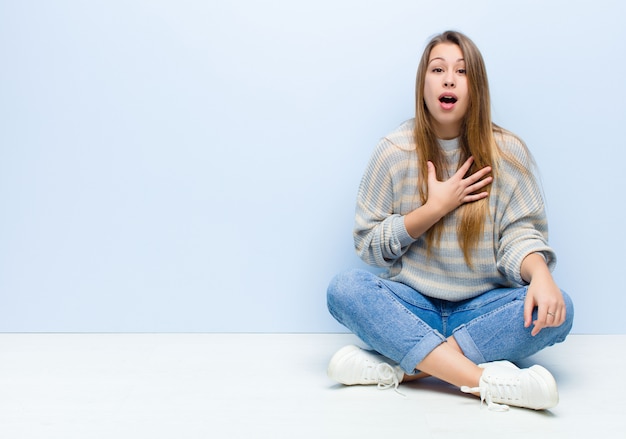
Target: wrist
421,219
534,267
434,210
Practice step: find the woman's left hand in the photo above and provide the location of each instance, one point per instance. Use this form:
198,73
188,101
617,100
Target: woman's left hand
542,294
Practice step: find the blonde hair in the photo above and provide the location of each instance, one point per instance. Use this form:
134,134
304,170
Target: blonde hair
476,140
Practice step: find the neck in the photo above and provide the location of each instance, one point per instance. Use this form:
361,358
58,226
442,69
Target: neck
447,132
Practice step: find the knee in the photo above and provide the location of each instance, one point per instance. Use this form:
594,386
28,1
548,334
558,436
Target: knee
569,313
344,288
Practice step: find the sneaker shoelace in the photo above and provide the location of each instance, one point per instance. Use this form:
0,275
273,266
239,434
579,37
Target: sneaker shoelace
505,391
386,377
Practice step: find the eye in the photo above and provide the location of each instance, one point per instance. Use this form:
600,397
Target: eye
462,71
437,70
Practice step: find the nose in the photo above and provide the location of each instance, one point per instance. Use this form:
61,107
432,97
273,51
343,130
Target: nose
448,81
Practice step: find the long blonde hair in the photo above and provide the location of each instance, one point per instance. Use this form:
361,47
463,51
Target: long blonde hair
476,140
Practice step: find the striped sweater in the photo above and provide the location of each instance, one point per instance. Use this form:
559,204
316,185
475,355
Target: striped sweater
516,228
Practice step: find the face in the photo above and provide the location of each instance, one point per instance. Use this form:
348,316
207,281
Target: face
445,89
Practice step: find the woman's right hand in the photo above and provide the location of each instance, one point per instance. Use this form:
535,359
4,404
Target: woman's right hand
445,196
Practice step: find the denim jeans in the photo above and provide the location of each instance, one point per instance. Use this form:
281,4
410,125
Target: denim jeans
405,326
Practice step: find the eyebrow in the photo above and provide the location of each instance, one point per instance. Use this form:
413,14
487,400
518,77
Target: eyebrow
443,59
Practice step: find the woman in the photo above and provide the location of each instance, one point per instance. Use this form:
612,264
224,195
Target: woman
449,207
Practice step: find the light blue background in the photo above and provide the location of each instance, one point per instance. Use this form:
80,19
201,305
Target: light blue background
192,165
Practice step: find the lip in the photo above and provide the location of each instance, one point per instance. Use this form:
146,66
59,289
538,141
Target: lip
447,106
448,95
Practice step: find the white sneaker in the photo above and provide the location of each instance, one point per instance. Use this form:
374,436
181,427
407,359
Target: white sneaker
504,363
503,384
353,365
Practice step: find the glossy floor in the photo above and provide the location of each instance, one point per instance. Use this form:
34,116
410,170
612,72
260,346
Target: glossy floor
274,386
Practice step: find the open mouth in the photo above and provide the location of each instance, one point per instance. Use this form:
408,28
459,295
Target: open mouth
447,99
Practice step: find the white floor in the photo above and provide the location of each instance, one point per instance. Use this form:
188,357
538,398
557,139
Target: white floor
274,386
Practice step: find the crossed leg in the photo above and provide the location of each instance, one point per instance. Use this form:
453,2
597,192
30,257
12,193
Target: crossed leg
448,363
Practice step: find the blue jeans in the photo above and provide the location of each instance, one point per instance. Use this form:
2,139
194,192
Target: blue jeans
405,326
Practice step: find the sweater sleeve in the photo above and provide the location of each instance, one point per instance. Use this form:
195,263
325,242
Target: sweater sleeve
523,226
380,237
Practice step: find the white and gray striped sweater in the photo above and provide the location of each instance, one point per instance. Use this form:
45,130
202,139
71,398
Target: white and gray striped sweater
388,191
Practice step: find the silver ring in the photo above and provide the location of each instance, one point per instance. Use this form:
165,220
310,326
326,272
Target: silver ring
552,314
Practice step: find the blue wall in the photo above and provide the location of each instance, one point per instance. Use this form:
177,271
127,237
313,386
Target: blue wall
192,165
